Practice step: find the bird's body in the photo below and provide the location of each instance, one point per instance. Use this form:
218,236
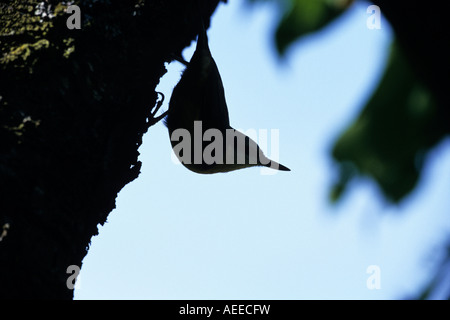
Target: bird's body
199,96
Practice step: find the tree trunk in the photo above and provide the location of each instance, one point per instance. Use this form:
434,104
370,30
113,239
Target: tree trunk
74,104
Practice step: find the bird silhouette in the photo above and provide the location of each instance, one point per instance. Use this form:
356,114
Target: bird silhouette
197,106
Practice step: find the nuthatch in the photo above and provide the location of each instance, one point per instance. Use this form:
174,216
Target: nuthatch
199,98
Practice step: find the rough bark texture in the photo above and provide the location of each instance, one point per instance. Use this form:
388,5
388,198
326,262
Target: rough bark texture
74,105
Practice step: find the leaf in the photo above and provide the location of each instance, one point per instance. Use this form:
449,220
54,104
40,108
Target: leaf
304,16
390,138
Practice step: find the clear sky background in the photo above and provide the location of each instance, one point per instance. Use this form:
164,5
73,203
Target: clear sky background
242,235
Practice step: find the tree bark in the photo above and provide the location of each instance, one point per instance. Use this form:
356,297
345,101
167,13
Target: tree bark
74,105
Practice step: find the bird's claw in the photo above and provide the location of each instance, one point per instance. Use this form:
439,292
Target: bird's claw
153,120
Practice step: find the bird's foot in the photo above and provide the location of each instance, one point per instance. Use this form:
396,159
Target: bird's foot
154,119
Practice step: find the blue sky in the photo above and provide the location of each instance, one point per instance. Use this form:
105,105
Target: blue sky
242,235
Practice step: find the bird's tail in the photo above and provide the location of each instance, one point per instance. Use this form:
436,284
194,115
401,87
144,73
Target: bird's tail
202,40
